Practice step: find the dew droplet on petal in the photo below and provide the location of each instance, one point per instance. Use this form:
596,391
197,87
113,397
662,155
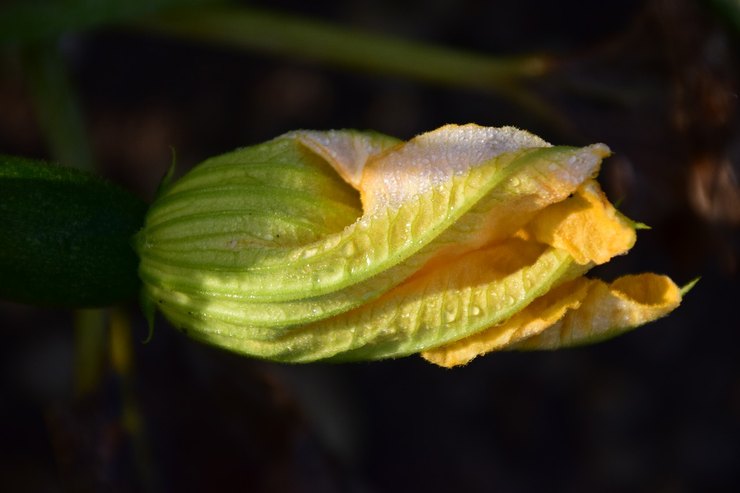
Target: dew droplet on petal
349,249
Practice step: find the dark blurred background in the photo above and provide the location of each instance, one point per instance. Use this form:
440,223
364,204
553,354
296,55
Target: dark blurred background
657,410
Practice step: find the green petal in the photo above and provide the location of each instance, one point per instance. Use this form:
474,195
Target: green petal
427,311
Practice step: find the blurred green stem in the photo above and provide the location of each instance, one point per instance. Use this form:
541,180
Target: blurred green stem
91,337
122,363
56,105
728,11
283,34
296,36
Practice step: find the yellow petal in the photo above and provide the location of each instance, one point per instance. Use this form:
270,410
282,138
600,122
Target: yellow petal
586,225
609,310
536,317
547,176
578,312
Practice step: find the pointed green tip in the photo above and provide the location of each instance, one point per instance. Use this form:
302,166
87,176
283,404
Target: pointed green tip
638,225
689,286
634,224
149,309
169,175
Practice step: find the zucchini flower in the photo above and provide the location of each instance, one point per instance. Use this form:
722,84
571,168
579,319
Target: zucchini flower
346,245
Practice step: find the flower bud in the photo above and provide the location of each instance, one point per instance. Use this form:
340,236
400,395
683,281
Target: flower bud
349,245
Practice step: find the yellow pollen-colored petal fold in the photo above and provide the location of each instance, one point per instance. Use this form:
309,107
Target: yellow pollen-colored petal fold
609,310
586,225
575,313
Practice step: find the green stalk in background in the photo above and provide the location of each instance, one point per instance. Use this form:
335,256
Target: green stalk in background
291,36
56,105
295,36
23,21
284,34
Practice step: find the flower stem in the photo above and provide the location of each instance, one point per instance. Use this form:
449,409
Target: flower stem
295,36
284,34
